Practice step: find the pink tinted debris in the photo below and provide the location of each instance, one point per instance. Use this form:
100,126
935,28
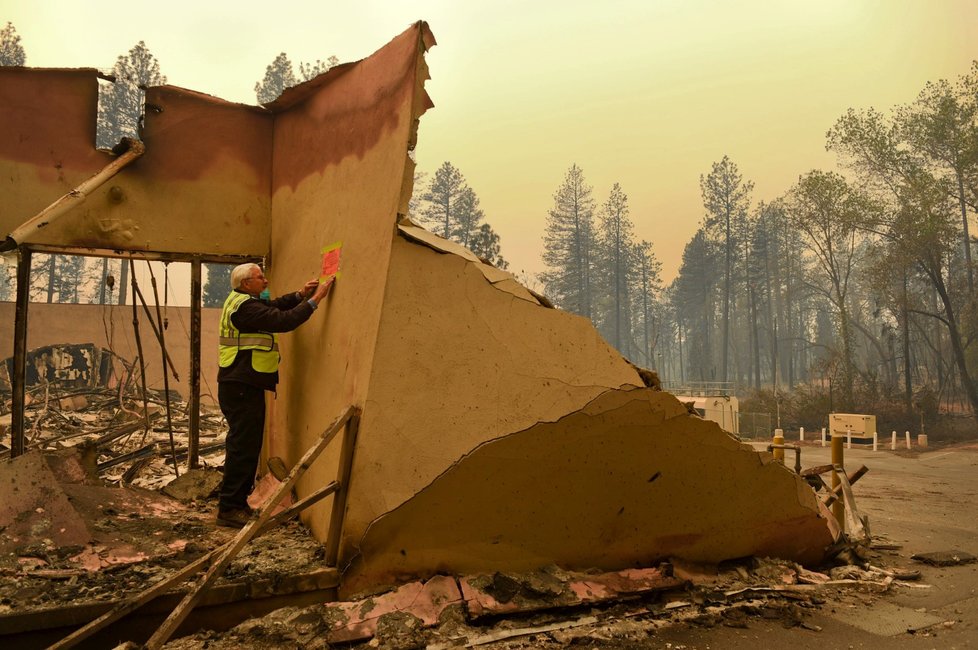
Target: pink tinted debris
357,620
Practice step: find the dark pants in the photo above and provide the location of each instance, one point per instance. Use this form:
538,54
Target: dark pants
244,408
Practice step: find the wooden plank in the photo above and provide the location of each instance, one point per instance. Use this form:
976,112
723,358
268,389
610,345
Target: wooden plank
173,621
853,519
836,492
338,512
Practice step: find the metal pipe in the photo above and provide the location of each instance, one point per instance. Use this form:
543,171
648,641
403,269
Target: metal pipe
18,380
797,449
195,320
778,445
22,233
166,375
157,331
139,349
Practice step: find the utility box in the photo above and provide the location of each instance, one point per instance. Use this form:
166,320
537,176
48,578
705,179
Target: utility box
722,409
862,428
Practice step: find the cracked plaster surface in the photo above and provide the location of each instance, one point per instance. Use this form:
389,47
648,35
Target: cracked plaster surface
628,479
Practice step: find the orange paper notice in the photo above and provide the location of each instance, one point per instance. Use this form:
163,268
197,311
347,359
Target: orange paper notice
331,261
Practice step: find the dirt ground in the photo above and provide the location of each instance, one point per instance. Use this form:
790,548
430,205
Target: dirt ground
919,501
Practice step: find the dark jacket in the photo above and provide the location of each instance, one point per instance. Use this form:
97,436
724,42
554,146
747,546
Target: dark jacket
282,314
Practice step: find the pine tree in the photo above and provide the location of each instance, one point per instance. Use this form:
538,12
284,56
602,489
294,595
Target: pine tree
726,197
11,51
312,70
568,243
56,278
648,285
614,270
485,244
217,285
442,198
278,76
450,208
120,107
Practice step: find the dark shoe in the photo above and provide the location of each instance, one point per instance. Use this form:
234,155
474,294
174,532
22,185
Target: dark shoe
235,518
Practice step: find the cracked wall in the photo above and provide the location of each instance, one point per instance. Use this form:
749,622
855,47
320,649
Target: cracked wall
499,434
629,479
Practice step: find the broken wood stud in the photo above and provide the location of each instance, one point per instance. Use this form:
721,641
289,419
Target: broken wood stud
835,492
857,524
339,501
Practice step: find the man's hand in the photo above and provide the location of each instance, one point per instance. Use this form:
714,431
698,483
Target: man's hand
308,288
323,289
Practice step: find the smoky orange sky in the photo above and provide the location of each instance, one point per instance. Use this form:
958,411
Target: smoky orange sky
644,93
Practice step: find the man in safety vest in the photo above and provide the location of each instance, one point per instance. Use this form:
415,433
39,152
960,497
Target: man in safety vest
248,360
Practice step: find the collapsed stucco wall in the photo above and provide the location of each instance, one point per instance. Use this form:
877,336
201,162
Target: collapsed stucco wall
459,362
628,480
110,327
501,434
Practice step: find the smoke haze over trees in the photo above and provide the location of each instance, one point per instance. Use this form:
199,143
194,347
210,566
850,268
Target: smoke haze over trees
596,269
450,208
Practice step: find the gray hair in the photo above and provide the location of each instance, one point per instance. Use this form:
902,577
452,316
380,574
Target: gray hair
242,272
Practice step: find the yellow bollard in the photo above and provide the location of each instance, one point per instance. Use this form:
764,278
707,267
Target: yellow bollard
779,440
838,459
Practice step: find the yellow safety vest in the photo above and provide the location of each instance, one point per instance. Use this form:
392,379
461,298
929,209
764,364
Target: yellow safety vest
263,345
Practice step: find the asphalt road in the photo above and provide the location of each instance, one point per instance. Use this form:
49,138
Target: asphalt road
923,501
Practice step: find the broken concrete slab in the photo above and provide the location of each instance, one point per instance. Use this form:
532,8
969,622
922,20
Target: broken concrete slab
944,558
36,516
77,464
888,619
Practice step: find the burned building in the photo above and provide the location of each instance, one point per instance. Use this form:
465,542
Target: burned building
497,433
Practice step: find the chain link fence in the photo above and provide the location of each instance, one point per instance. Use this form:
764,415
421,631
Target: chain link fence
755,426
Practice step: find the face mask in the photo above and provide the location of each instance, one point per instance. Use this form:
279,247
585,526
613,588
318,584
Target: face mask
265,295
